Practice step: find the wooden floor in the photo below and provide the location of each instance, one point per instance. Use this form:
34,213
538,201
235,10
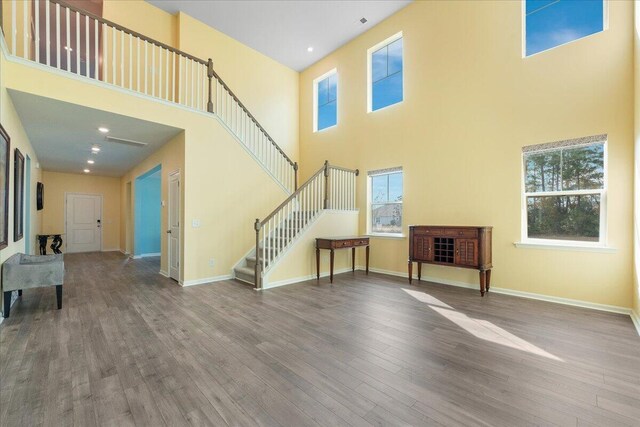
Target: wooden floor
131,347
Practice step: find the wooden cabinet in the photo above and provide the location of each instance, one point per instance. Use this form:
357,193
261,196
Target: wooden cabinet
466,247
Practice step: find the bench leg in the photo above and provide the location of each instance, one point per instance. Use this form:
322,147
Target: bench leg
59,296
7,303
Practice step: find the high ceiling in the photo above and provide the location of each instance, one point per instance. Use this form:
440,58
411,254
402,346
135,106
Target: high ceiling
63,134
284,30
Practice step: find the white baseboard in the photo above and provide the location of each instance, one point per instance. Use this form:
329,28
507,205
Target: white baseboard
206,280
635,318
111,250
163,273
123,252
303,278
146,255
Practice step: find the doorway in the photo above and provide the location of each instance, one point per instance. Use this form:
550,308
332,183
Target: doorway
173,221
147,214
83,219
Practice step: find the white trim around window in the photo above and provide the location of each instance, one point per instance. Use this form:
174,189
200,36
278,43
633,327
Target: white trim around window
601,244
315,99
370,51
370,175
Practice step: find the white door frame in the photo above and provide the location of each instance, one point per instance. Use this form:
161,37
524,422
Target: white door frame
73,193
175,173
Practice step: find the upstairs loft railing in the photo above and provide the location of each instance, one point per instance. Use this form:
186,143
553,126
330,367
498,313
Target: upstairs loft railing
331,187
58,35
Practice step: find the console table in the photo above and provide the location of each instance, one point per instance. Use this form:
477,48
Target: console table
466,247
332,243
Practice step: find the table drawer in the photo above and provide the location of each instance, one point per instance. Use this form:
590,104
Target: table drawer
342,243
428,231
461,232
360,242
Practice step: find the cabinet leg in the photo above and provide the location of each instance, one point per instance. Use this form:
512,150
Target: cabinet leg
353,259
488,280
483,278
317,264
410,267
331,266
419,271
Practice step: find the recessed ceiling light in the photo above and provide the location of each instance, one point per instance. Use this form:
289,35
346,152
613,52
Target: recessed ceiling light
95,149
90,162
310,49
87,171
103,130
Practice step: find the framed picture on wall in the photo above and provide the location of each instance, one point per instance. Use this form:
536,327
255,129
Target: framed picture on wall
18,195
5,154
40,196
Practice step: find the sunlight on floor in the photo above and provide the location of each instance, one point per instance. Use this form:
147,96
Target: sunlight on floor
482,329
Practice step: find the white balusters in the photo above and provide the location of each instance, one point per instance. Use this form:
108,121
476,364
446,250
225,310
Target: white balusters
78,48
57,35
25,30
14,27
36,43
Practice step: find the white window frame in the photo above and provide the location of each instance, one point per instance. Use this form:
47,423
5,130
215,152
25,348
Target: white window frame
370,52
602,241
605,27
370,175
315,99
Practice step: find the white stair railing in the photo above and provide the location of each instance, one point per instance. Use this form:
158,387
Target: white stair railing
331,187
58,35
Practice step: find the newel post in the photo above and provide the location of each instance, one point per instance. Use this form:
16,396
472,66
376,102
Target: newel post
256,278
326,184
295,176
210,76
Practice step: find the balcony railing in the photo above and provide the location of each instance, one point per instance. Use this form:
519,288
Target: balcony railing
58,35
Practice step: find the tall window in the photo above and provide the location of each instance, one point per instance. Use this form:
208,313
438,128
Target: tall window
325,90
565,191
385,73
385,201
551,23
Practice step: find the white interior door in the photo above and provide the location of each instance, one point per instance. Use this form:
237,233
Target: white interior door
84,222
173,232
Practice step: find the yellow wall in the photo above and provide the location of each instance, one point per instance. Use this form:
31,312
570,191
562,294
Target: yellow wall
300,260
11,123
171,157
636,230
143,18
471,103
56,185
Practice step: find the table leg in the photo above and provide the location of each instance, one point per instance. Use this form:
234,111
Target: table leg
483,279
317,264
488,280
410,266
367,259
419,270
331,267
353,259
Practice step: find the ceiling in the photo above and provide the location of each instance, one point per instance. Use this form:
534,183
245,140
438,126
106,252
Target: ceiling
283,30
62,135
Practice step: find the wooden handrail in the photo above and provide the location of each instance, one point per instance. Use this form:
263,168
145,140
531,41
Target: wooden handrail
62,3
210,71
259,224
339,168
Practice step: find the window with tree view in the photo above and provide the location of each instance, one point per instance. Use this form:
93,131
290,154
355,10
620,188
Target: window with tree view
565,190
386,202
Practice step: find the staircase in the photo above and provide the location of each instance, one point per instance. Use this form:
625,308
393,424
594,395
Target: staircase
331,187
107,52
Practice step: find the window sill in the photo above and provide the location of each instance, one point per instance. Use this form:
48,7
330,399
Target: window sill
386,236
565,247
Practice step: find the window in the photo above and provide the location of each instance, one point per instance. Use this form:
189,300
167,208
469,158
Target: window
551,23
565,188
385,73
385,201
325,102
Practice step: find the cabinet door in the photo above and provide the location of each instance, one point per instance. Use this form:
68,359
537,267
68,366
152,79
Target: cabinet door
422,248
467,252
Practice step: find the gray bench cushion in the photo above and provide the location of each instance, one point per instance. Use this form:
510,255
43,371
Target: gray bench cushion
22,271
